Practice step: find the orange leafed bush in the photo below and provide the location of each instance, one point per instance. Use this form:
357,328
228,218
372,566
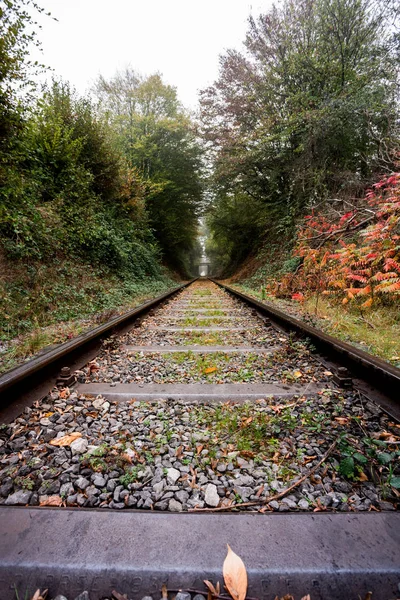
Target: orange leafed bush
353,256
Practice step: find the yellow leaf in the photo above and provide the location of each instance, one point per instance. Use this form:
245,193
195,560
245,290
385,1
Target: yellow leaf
210,370
297,374
66,440
362,476
235,575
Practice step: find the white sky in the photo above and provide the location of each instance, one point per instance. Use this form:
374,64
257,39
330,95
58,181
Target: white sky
182,39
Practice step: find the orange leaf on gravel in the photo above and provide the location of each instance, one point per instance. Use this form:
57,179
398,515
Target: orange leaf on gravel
66,440
210,370
297,374
235,575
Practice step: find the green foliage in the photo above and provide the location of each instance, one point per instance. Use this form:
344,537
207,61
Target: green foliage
158,140
308,113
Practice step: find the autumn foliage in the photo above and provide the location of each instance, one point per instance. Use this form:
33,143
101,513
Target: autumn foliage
352,255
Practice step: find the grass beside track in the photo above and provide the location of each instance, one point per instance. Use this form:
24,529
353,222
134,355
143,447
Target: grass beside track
376,331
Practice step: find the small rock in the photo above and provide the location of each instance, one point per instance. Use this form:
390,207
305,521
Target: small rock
21,497
83,596
98,403
183,596
211,495
174,506
99,481
303,504
82,483
172,475
79,446
182,496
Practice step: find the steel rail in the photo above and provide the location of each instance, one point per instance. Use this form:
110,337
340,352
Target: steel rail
380,374
22,373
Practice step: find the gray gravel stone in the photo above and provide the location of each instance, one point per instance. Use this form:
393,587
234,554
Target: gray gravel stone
183,596
99,481
211,495
79,446
21,497
174,506
82,483
83,596
182,496
173,475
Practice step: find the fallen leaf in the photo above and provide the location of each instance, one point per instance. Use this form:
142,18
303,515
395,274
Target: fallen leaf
362,476
52,501
164,591
179,452
328,373
297,374
117,596
235,575
342,420
199,448
260,491
210,370
38,595
66,440
214,591
65,393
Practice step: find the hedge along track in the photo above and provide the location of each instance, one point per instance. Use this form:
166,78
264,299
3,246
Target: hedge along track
204,410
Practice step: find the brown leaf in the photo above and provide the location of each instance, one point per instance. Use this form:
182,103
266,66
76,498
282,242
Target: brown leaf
211,588
66,440
362,476
235,575
38,595
117,596
164,591
342,420
199,448
179,452
52,501
260,491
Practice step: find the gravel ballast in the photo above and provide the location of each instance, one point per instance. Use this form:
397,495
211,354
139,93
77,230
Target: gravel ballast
327,451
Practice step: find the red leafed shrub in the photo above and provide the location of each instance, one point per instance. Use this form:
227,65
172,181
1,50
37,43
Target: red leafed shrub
353,255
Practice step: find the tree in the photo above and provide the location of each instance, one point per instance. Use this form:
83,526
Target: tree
159,140
309,111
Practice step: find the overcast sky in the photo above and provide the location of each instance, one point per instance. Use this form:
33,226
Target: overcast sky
182,39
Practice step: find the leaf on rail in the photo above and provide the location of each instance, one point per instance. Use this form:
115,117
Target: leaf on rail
235,575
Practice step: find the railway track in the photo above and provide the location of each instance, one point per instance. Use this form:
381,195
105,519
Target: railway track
208,421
